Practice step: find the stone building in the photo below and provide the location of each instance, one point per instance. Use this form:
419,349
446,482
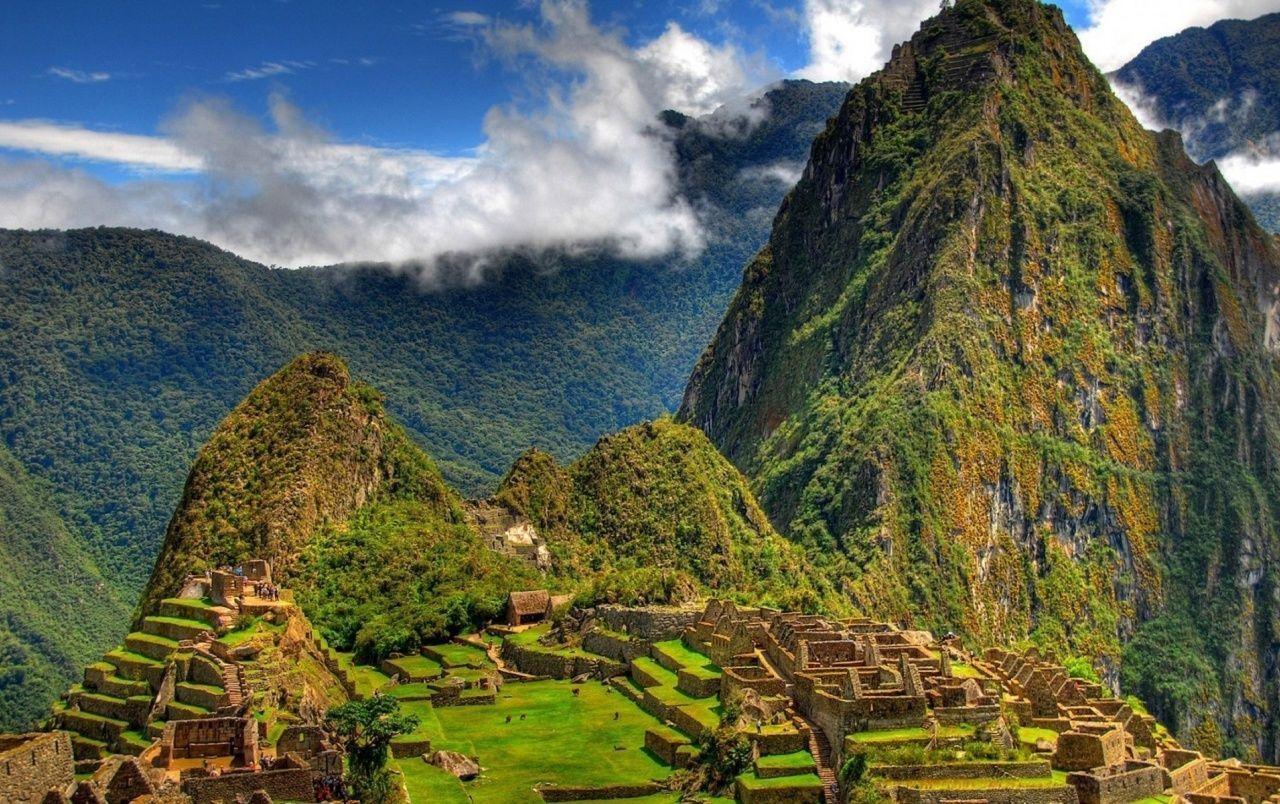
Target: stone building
31,765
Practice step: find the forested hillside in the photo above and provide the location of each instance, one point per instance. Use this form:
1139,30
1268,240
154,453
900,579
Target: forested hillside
1008,365
121,350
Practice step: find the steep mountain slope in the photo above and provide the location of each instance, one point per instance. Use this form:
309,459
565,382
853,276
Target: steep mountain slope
1220,86
661,515
57,611
1009,360
311,473
308,447
122,350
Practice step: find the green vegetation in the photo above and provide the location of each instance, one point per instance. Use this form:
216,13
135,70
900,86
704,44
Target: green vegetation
988,370
654,514
399,575
366,729
56,611
590,746
124,349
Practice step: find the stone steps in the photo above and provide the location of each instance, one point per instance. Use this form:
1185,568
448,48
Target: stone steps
188,609
134,666
181,711
123,687
96,703
88,748
133,743
91,726
820,748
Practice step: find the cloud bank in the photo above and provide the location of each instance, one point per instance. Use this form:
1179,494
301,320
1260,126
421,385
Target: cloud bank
581,168
851,39
1119,29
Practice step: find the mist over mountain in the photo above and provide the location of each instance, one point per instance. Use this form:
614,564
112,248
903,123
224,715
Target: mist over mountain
123,349
1220,87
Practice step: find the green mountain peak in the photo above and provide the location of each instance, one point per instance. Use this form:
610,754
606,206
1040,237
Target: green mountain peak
1008,359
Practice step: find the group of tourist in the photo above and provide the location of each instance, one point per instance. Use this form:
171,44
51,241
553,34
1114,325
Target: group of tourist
268,591
330,788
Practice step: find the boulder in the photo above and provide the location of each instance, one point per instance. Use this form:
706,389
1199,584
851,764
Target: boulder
455,763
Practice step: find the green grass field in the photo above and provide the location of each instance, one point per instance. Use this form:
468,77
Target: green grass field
416,666
563,739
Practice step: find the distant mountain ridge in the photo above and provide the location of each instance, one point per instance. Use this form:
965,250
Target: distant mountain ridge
1220,86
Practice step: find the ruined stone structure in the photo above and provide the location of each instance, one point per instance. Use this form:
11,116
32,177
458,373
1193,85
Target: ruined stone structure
232,737
509,534
33,764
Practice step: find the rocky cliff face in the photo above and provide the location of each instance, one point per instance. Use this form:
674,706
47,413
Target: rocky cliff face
308,447
1009,361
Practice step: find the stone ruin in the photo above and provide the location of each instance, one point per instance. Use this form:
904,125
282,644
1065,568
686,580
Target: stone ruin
844,676
506,533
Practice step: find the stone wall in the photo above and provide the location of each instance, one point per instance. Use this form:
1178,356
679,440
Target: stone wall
549,664
1253,786
1132,781
1079,751
31,764
779,795
615,647
283,785
663,743
1038,769
655,624
737,679
1030,795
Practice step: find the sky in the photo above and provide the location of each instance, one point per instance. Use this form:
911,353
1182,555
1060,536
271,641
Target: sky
300,132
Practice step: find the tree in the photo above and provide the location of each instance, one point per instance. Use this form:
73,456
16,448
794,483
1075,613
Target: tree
366,729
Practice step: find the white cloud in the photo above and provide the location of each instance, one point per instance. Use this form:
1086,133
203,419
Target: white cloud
79,76
850,39
269,69
1119,29
1251,173
467,18
581,168
152,153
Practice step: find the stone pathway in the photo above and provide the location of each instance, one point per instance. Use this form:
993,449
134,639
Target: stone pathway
820,747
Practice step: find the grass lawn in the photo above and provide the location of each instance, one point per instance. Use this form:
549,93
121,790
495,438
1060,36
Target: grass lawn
909,734
962,670
416,666
368,680
564,739
456,655
796,759
1029,735
806,781
676,649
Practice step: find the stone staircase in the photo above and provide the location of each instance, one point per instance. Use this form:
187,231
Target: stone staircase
820,748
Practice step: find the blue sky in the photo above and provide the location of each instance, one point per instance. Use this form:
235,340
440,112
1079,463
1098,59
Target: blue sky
300,132
393,73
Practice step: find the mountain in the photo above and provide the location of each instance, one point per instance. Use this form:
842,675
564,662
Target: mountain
660,511
56,609
1008,363
311,473
306,448
1220,86
122,350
